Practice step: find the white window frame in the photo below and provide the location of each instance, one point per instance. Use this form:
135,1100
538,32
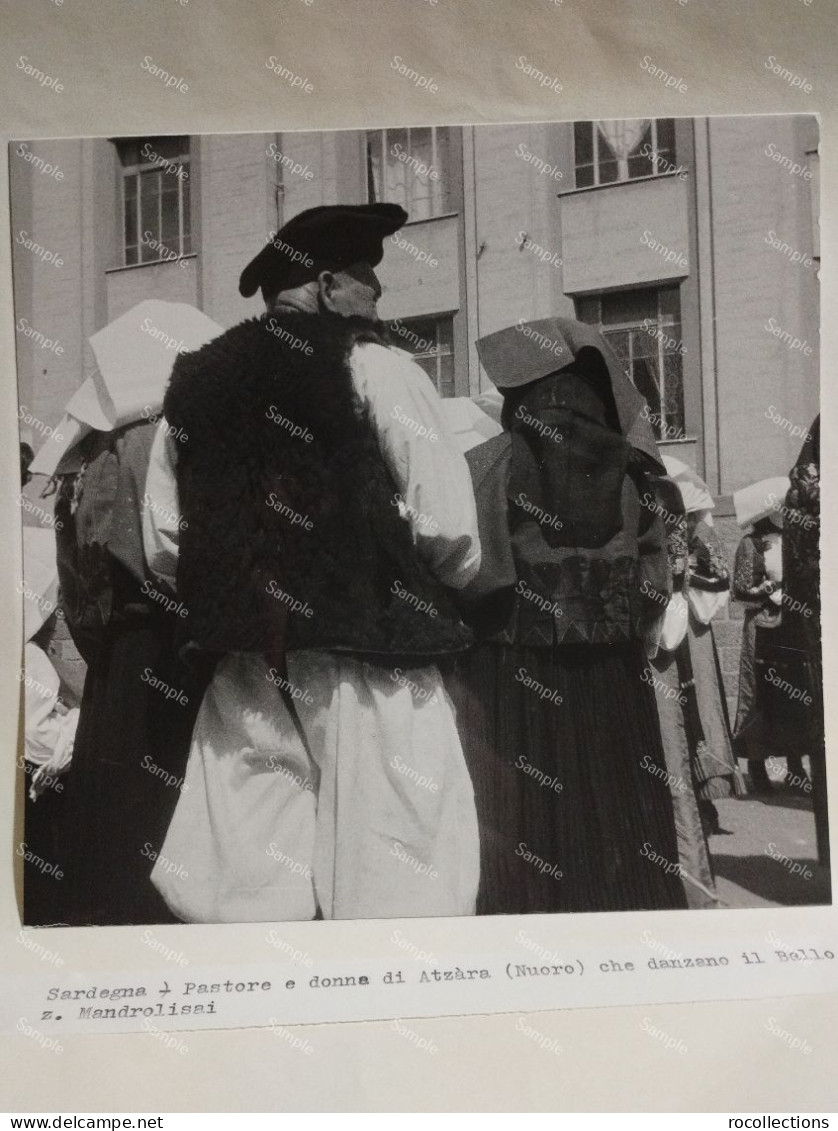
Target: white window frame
596,159
438,190
139,171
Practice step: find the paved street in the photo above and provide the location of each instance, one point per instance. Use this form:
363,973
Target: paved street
747,875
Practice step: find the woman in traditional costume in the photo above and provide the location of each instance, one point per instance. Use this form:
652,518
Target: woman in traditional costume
555,707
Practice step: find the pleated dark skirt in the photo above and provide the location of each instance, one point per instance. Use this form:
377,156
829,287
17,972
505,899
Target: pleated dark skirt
565,754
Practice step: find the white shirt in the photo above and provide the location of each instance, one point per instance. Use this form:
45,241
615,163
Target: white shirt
428,468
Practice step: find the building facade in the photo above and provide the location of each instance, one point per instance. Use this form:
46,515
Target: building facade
692,243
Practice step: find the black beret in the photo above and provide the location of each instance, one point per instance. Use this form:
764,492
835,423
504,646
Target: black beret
326,238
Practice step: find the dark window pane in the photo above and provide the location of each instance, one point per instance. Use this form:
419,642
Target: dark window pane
170,219
673,395
639,166
666,138
583,142
608,172
584,176
130,223
645,377
669,299
587,309
130,255
629,306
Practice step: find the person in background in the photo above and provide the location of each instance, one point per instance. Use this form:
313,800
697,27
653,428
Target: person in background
802,614
555,704
132,737
763,727
49,728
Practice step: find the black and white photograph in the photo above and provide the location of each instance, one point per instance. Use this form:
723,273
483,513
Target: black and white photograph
420,521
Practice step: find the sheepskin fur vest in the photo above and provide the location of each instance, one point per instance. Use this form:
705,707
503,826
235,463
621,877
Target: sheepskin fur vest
290,536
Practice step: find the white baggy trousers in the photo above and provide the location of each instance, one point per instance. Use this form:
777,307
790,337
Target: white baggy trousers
364,810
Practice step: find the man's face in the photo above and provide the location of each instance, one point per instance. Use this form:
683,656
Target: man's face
354,290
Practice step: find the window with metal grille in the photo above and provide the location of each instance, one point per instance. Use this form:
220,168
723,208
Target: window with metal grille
431,341
623,150
643,327
156,199
412,167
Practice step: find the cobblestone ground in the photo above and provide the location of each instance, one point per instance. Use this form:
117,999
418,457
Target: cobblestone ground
757,829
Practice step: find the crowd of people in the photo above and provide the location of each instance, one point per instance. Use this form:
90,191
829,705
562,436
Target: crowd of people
355,651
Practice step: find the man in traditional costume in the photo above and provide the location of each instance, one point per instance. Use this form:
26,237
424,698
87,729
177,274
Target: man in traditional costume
326,513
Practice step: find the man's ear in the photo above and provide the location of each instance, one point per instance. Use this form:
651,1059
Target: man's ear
327,284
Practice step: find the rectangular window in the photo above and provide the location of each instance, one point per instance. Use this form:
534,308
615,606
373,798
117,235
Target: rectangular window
643,327
625,149
411,166
156,199
431,341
